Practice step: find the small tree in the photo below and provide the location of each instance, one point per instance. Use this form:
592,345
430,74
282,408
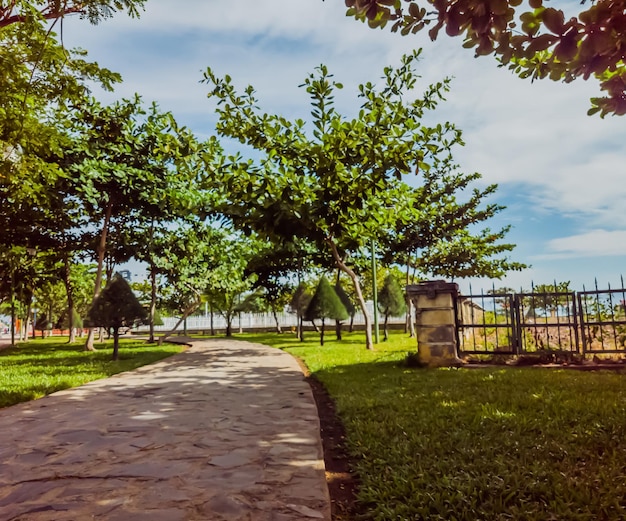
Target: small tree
299,304
391,301
325,304
43,324
115,307
65,323
348,304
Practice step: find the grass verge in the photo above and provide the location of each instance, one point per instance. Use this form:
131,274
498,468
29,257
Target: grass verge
43,366
465,444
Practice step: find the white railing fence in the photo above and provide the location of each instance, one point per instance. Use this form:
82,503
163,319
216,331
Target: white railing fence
248,321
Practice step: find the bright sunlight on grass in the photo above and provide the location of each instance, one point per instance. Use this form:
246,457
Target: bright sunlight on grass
467,444
43,366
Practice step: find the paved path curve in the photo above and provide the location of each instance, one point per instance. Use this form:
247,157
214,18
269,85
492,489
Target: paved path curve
227,430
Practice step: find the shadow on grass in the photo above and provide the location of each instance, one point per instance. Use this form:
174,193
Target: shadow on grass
520,443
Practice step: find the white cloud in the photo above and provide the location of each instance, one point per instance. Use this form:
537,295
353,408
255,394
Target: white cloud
594,243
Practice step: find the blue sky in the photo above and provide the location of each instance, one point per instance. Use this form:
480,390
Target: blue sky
562,174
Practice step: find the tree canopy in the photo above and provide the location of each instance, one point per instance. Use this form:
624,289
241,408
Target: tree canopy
116,307
534,40
391,301
325,304
20,11
332,184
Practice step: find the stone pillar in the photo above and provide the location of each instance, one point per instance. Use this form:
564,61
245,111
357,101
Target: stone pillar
435,321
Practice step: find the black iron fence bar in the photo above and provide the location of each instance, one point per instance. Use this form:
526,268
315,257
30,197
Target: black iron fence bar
502,319
586,317
552,302
593,318
517,326
582,322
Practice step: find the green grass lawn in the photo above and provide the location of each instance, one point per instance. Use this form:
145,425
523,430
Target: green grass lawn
473,444
42,366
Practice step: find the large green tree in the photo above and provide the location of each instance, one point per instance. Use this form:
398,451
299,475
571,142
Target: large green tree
535,40
39,81
128,169
328,185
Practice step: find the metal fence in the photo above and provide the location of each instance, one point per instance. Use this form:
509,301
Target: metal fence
515,323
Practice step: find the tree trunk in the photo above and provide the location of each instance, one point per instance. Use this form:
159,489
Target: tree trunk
369,343
153,295
212,323
229,315
100,250
351,324
116,342
301,327
69,291
27,321
298,326
190,309
408,307
411,321
338,322
385,331
278,328
50,324
322,334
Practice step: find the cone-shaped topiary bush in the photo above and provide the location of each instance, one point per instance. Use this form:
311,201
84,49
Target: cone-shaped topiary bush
299,302
325,304
391,301
347,303
116,307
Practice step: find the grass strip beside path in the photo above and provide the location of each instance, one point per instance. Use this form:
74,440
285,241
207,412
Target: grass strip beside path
43,366
465,444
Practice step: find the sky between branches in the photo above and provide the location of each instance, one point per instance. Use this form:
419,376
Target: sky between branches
562,174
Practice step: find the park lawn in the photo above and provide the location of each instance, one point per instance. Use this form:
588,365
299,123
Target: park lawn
473,444
43,366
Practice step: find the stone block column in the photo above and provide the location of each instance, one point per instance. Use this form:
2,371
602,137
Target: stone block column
435,322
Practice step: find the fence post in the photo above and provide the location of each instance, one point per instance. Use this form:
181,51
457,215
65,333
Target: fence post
435,320
516,324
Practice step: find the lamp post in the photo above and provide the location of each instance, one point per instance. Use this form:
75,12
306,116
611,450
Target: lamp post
34,322
12,308
375,294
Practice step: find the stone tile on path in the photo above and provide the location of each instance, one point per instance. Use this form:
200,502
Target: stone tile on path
226,431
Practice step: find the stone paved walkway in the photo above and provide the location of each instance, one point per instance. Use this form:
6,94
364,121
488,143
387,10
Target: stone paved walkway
224,431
